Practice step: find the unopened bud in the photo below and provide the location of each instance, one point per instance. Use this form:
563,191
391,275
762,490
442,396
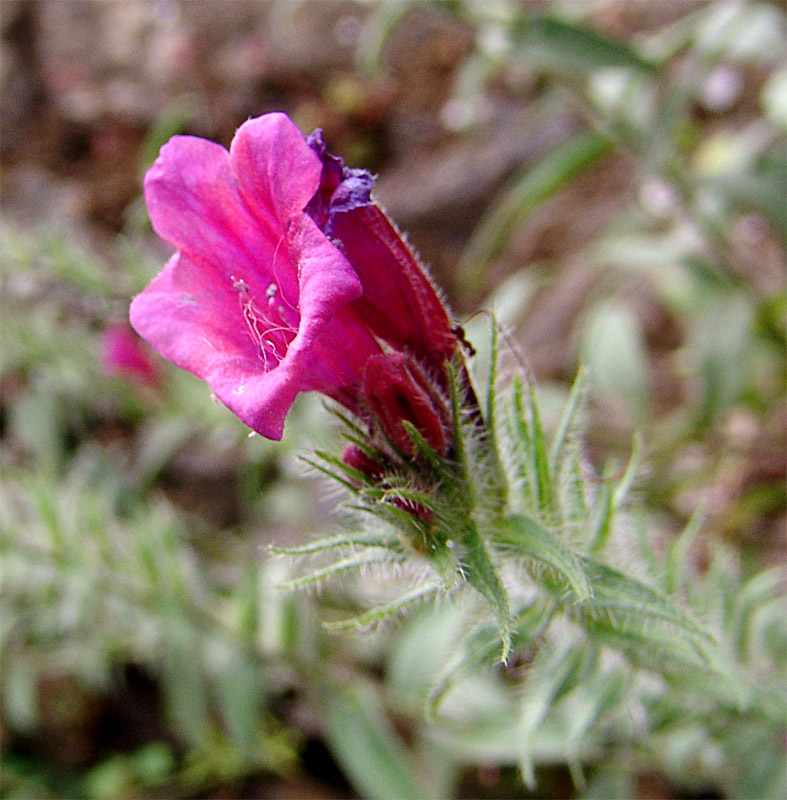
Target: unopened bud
397,390
359,460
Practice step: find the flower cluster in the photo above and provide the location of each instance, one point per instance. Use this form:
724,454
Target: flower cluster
289,278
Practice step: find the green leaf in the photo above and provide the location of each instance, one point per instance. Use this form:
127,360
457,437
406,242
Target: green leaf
600,520
552,671
611,498
522,444
335,475
568,421
239,693
596,696
530,450
629,604
614,350
355,476
763,190
375,615
677,561
572,486
752,597
184,684
481,573
556,45
529,190
496,496
629,475
528,537
367,748
441,468
482,643
349,539
427,641
377,556
720,345
375,31
645,624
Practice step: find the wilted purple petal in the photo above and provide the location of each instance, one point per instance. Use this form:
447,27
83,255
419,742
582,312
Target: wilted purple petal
341,188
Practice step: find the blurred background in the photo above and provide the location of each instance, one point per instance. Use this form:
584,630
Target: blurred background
608,176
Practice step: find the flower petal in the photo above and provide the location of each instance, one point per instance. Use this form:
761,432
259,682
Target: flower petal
203,330
399,302
194,204
277,172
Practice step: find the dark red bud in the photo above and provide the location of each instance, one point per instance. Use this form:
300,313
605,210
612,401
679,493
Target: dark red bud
358,459
397,390
417,510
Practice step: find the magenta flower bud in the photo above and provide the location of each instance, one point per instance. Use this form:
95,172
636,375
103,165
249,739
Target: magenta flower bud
359,460
396,390
123,353
355,457
415,509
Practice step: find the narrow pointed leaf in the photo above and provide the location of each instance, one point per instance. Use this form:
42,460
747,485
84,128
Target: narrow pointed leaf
557,45
345,565
571,483
545,491
528,191
568,420
366,746
550,673
498,482
380,613
630,474
363,539
601,518
619,596
355,476
481,644
438,464
533,540
482,575
349,485
677,555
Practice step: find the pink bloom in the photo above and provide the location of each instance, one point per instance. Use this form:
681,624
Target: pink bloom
122,353
286,277
255,299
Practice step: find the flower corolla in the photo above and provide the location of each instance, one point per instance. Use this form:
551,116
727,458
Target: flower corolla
286,278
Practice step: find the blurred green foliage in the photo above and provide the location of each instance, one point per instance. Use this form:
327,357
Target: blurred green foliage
133,519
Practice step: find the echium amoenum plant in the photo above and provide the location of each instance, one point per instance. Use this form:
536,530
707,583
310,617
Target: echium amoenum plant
289,278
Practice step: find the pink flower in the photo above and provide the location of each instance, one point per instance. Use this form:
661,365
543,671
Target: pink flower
254,301
286,277
123,353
